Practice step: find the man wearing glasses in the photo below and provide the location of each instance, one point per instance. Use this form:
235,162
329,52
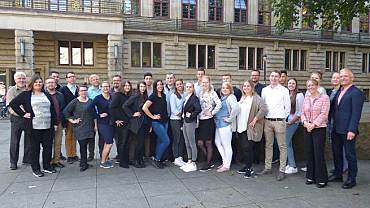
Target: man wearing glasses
70,92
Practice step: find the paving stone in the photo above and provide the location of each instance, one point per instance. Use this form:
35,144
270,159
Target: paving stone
177,200
286,203
23,200
163,187
223,197
76,198
78,183
204,183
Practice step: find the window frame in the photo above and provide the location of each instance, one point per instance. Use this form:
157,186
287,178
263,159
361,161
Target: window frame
82,52
290,63
256,51
141,52
161,8
132,8
215,11
262,12
365,67
338,62
240,12
188,13
206,56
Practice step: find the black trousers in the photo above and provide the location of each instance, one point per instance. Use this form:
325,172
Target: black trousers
83,150
338,142
315,154
178,142
248,149
123,135
17,125
91,146
41,137
140,138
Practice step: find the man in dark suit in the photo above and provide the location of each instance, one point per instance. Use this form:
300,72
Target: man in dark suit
255,77
346,111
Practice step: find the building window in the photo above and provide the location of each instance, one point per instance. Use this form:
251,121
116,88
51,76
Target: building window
250,58
161,8
215,10
189,9
240,11
334,60
146,54
201,56
366,62
58,5
364,23
264,12
76,53
91,6
295,60
131,7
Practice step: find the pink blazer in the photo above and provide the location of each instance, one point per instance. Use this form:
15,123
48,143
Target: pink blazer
316,111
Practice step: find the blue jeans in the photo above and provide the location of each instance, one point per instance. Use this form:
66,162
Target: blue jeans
160,130
289,143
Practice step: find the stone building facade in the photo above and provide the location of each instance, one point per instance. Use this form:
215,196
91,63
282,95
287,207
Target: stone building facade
130,37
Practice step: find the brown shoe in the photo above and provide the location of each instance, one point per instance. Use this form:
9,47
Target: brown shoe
281,176
265,172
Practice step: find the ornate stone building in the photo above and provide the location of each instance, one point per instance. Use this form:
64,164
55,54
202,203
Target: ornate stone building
130,37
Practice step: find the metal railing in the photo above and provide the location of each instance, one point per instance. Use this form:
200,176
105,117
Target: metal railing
237,29
107,7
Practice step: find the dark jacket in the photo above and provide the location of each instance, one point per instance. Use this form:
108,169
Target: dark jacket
68,97
24,100
115,108
258,88
347,114
192,106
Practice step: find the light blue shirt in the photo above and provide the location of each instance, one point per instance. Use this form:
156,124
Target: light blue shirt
72,88
223,113
176,106
92,92
168,92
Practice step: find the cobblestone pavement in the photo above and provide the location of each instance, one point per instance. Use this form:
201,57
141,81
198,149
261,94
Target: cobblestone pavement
169,187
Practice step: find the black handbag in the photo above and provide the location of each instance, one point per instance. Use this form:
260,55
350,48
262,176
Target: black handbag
135,124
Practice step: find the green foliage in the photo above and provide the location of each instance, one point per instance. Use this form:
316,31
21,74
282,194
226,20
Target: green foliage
334,13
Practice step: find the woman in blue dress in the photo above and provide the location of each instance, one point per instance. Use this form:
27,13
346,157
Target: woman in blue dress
101,105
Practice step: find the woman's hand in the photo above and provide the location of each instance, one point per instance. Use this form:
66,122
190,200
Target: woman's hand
75,121
27,115
253,123
208,113
103,115
188,114
156,117
136,114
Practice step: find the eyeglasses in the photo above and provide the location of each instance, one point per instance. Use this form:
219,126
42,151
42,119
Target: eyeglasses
83,90
71,76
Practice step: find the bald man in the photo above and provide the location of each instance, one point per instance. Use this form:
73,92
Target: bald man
346,111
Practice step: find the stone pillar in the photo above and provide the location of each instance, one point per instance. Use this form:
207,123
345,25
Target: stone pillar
147,8
253,12
175,9
228,11
115,64
203,10
356,25
24,43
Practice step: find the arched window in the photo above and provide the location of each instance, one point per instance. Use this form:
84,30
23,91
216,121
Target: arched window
240,11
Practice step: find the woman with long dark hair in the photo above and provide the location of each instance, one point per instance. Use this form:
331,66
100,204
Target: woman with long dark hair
156,109
120,121
106,130
133,109
37,108
296,103
80,114
176,102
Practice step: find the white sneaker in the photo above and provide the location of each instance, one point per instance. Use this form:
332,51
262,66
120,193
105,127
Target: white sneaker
304,169
287,167
179,162
190,167
184,166
291,170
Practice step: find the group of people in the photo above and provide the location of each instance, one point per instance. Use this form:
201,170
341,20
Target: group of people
174,116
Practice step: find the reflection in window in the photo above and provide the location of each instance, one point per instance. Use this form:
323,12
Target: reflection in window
364,23
334,60
88,53
250,58
161,8
201,56
135,54
189,9
146,60
295,60
157,61
215,10
63,53
131,7
76,53
240,10
211,57
192,56
58,5
146,54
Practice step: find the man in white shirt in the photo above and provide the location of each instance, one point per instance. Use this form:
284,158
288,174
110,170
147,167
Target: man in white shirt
277,100
198,84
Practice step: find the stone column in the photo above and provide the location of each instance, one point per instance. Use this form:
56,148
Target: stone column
175,9
356,25
228,11
253,12
147,8
24,43
202,10
115,63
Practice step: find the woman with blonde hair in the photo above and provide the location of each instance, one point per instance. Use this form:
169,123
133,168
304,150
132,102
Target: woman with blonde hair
225,121
250,123
210,104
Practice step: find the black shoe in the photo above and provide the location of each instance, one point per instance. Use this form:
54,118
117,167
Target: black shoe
49,170
13,166
58,165
334,178
75,158
90,158
62,157
124,165
156,163
141,162
248,173
38,173
332,171
309,182
205,168
84,167
242,171
321,185
349,184
137,164
70,160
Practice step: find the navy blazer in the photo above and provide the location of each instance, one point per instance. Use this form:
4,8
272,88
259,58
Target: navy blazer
24,100
192,106
347,114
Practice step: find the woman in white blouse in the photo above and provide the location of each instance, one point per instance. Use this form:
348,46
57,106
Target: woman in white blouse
250,124
296,99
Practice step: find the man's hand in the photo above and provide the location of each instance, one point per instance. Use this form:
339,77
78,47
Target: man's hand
350,135
27,115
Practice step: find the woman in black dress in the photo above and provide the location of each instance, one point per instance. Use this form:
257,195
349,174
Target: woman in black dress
141,123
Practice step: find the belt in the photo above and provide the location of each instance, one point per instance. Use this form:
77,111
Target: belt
275,119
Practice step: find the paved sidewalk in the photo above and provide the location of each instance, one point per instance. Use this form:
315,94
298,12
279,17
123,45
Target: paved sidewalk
170,187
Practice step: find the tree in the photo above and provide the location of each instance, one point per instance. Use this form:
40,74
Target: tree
334,13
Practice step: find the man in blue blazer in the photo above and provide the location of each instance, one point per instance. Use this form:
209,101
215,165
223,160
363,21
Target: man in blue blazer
346,111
